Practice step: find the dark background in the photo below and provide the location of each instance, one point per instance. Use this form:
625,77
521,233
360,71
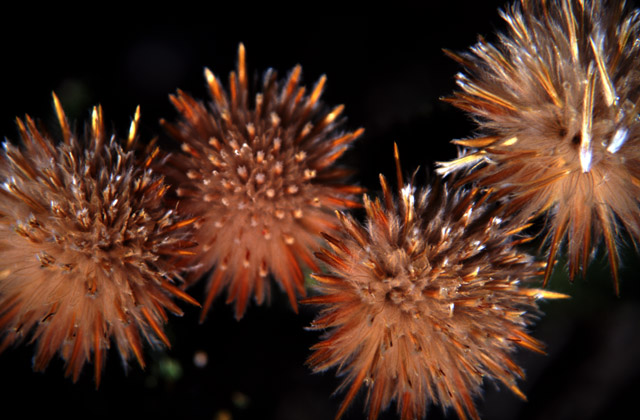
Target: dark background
390,73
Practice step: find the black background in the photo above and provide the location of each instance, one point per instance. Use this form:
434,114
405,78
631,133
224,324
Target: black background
390,72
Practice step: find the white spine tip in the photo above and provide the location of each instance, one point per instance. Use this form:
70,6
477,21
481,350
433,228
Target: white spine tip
618,140
585,159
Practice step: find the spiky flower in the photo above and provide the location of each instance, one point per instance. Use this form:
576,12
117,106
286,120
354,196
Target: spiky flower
86,243
260,175
424,302
556,100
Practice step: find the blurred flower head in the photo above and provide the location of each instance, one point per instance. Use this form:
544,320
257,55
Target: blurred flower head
88,246
260,174
556,100
424,301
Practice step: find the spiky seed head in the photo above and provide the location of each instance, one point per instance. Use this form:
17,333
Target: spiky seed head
556,100
260,175
87,246
424,301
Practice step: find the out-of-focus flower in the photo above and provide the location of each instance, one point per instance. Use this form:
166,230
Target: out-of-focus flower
260,175
424,302
556,101
88,247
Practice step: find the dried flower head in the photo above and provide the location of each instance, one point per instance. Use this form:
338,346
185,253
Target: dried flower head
424,302
556,101
261,178
85,241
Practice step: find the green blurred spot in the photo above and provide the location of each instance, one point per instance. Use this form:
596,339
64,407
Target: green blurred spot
163,370
309,282
170,369
240,400
75,96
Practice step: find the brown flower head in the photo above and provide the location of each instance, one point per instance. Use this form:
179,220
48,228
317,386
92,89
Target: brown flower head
260,175
424,302
556,100
85,241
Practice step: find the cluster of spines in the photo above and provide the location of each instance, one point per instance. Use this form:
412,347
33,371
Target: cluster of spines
235,156
426,300
261,178
87,240
556,103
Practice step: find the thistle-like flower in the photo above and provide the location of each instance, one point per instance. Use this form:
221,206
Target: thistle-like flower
424,301
556,100
87,246
260,176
